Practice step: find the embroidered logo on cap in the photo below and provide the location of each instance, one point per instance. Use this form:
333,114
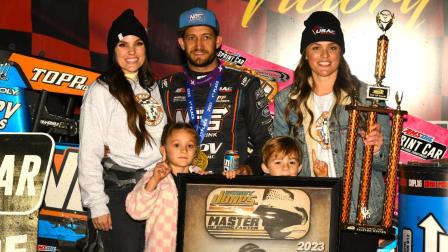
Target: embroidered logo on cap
120,36
319,30
195,17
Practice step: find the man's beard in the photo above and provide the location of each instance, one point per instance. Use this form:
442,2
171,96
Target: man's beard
201,62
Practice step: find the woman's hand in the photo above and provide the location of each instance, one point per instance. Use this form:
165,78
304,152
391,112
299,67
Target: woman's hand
375,138
320,167
103,222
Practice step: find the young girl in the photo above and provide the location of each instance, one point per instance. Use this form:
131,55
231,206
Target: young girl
154,198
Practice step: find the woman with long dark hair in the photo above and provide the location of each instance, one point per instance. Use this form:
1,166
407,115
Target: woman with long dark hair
313,111
121,123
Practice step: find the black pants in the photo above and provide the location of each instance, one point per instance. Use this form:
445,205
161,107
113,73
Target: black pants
127,234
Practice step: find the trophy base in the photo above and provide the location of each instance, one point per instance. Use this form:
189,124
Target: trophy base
356,242
386,233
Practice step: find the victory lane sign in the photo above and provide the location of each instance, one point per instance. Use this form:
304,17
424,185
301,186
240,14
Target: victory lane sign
25,160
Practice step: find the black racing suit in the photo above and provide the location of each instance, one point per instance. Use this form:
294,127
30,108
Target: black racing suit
240,117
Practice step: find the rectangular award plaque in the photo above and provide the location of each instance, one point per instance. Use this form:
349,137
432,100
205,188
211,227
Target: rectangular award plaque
266,213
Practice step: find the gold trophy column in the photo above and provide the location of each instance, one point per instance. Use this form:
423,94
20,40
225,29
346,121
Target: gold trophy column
366,173
375,93
353,122
394,156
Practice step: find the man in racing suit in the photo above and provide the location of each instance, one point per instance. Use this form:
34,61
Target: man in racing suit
229,105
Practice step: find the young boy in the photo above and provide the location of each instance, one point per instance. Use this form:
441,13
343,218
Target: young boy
281,157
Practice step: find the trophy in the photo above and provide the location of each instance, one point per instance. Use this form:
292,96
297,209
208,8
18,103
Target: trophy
376,93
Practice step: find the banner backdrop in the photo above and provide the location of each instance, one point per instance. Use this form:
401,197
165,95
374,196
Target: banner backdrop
62,219
75,32
262,35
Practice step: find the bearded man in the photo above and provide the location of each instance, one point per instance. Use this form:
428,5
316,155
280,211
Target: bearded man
228,107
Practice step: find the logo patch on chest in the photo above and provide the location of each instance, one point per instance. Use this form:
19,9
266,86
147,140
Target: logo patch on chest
154,110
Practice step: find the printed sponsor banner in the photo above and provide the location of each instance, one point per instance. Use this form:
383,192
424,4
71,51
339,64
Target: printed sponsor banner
62,220
24,167
421,140
423,197
39,74
14,112
273,77
18,233
22,73
63,189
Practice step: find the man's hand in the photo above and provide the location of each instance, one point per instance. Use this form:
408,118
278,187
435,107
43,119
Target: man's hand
242,170
103,222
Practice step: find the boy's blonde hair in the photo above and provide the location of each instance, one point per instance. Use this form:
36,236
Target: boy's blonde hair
280,144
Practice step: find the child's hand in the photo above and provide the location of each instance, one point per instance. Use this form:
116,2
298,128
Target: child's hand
320,168
242,170
161,170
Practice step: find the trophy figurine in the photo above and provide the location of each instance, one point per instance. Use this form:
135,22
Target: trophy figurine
377,92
